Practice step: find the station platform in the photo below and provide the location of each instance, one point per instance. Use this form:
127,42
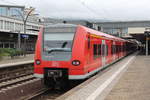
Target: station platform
29,58
127,79
135,82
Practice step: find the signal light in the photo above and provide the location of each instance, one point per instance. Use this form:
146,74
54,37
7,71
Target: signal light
76,62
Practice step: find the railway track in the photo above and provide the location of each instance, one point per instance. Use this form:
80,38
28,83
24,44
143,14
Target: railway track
46,94
17,81
13,82
51,94
9,73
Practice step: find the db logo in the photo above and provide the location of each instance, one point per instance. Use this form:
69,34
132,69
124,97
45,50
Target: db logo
55,63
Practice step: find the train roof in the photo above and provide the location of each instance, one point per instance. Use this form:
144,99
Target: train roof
55,27
60,28
103,34
61,25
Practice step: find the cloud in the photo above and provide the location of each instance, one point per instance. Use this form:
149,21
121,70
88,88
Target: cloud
91,9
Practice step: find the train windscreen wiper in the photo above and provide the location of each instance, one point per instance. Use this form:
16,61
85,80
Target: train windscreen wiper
59,49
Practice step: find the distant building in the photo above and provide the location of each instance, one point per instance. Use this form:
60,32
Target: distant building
134,29
11,10
11,27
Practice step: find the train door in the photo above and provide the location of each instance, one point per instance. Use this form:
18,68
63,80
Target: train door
103,47
117,49
100,51
108,54
114,50
89,50
121,49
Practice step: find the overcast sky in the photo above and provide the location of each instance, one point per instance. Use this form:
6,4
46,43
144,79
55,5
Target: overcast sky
91,9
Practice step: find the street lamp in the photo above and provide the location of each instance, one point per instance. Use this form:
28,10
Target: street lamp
147,34
24,19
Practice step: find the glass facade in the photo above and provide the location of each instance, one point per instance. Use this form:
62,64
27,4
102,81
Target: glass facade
11,12
3,11
1,24
15,12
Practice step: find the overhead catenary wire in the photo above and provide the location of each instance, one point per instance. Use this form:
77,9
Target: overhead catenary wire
92,10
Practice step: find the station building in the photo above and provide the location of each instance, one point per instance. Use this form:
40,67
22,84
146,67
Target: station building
133,29
12,27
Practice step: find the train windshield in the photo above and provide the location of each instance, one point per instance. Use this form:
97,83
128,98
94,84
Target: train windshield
57,43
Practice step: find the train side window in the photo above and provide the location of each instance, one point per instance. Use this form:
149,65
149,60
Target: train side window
116,48
111,49
119,48
106,50
88,42
103,49
99,50
95,50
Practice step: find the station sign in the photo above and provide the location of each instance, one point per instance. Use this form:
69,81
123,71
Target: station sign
24,35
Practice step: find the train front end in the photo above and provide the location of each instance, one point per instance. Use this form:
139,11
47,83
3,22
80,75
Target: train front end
54,56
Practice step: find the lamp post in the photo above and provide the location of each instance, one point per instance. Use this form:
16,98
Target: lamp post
19,40
147,34
24,19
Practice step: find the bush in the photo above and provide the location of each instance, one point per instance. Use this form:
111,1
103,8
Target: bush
3,53
10,52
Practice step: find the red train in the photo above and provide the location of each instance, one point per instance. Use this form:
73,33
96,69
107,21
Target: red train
75,52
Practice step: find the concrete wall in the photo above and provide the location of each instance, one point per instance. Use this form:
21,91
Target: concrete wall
136,30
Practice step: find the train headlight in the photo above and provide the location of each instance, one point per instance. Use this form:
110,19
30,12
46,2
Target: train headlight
76,62
38,62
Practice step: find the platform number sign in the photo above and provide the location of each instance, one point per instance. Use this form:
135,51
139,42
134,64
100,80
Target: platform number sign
25,36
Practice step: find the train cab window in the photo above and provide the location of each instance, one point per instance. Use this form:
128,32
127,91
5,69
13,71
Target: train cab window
58,42
95,50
